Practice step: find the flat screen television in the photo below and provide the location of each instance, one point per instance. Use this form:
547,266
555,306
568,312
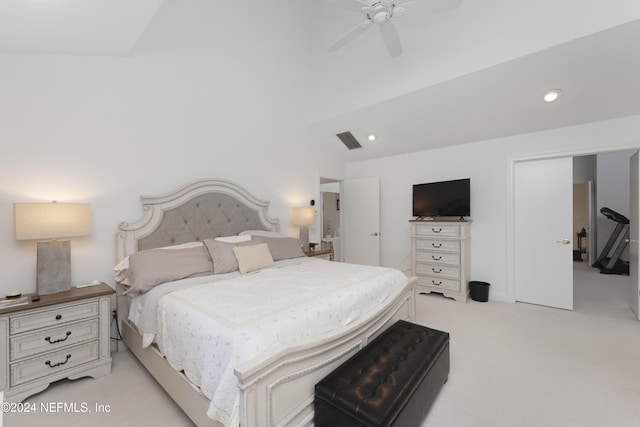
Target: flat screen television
439,199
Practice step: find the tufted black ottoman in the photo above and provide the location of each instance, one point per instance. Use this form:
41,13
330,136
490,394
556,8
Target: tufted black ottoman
392,381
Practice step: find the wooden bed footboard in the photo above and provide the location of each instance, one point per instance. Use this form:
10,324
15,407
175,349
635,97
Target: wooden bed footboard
279,390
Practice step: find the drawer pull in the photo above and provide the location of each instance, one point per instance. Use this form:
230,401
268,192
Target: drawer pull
435,270
48,362
59,316
436,283
436,258
436,245
436,231
58,340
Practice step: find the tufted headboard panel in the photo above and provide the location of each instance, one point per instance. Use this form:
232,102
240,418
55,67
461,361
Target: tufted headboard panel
204,217
201,210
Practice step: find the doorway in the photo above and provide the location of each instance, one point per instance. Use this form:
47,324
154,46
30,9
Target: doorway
330,218
608,164
600,180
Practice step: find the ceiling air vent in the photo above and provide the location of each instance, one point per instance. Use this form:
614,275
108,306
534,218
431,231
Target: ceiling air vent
349,140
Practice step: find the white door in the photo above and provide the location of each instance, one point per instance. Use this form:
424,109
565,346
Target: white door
360,204
543,203
634,222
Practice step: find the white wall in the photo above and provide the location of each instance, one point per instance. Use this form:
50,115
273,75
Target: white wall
198,98
584,169
486,164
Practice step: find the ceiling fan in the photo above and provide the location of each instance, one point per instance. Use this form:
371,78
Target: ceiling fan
378,12
381,13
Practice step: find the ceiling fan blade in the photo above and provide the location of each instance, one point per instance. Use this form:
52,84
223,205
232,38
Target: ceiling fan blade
398,11
352,34
391,38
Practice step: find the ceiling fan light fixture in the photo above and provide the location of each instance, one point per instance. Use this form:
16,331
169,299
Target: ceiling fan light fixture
381,17
552,95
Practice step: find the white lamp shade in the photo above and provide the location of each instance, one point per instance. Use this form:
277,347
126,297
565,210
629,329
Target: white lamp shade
303,217
51,220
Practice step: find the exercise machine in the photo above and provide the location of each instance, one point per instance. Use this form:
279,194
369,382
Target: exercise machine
577,254
609,261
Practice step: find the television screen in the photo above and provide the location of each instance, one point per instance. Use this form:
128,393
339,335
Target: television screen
446,198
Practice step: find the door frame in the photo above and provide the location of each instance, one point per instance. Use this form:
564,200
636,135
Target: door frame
319,203
510,199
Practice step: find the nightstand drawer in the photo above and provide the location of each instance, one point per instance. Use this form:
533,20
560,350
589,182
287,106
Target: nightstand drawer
53,339
440,245
438,270
438,258
38,367
437,230
45,319
433,282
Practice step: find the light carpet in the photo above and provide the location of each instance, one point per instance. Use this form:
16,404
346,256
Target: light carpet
511,365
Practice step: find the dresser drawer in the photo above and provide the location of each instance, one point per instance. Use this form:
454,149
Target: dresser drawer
439,245
54,317
53,339
47,364
438,258
438,271
452,230
434,282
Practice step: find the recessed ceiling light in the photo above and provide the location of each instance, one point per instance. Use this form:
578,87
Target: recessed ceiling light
371,137
552,95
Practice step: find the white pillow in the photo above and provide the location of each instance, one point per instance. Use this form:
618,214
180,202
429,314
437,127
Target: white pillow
234,239
262,233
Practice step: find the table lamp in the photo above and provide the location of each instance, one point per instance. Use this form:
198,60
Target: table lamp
35,221
303,217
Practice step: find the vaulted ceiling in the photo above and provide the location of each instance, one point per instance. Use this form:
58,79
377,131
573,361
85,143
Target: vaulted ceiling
474,72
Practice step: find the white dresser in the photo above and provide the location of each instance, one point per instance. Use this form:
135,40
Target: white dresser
64,335
441,257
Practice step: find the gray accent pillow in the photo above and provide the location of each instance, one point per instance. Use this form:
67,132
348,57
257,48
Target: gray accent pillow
284,247
222,256
155,266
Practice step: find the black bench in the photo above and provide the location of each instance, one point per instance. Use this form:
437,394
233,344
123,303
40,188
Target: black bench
392,381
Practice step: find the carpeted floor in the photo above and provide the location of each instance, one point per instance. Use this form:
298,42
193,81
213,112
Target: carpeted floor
511,365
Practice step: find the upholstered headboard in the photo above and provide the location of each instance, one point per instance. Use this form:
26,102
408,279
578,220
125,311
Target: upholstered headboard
201,210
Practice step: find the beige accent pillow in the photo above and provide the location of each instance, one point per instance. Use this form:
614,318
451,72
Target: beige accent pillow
155,266
224,260
252,258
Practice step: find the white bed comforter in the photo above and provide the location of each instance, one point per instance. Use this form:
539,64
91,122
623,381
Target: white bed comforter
207,330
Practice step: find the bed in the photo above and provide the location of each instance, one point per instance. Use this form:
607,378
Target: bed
274,383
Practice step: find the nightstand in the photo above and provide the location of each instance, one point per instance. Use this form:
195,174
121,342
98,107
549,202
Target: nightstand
324,251
63,335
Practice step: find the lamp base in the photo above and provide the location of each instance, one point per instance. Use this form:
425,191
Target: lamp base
304,238
54,267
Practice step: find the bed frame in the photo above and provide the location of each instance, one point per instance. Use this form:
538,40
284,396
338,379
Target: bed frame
276,389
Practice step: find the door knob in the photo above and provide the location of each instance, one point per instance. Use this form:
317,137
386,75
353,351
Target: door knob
564,241
376,234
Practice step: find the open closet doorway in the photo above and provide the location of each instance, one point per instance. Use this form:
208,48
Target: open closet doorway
608,173
601,274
